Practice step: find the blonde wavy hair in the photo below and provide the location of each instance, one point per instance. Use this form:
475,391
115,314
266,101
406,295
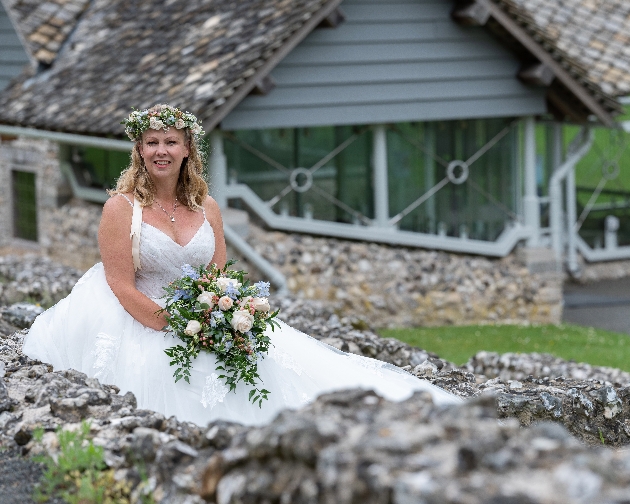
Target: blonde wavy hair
191,190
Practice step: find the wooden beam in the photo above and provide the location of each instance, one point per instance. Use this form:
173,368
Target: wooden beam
264,86
560,104
334,19
537,74
544,57
473,14
244,89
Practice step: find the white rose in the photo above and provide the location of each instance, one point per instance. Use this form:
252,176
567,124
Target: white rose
260,304
196,129
155,123
242,321
225,303
223,282
206,297
192,328
179,124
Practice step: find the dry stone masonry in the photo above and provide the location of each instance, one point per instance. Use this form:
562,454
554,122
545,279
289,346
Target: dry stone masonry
345,447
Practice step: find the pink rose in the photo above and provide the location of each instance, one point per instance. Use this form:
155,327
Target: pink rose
225,303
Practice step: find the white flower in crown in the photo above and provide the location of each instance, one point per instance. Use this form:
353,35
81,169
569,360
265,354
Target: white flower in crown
195,129
179,124
156,124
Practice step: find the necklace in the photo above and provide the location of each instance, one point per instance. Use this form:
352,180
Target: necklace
172,217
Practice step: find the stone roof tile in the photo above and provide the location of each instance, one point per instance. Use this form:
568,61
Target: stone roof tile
591,37
123,53
45,25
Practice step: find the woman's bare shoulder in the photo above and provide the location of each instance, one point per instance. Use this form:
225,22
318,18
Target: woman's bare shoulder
118,206
211,207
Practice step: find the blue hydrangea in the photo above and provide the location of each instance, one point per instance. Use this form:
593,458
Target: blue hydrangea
262,288
231,291
189,271
181,294
228,345
216,317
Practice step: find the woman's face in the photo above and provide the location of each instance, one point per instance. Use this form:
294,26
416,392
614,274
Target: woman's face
163,152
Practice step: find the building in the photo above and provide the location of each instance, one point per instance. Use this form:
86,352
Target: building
426,123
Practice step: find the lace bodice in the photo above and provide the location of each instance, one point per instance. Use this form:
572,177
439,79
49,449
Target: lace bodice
162,258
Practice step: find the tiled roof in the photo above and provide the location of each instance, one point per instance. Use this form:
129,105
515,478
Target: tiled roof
590,38
45,25
123,53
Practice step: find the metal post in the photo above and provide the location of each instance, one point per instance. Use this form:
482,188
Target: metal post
572,264
429,172
381,190
217,169
557,147
531,205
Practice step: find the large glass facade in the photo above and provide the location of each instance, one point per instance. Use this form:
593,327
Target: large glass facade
326,173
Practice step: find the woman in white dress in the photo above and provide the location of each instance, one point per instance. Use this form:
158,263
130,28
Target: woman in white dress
109,326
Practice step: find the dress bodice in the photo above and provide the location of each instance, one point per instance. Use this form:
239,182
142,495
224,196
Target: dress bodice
161,258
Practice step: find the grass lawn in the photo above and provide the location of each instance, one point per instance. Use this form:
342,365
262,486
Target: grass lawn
581,344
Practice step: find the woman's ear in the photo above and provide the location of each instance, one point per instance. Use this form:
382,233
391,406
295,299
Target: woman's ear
139,146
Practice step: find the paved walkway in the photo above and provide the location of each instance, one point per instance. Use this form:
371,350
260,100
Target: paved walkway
605,304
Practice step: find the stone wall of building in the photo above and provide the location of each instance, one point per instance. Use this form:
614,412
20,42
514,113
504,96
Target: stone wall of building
34,156
397,286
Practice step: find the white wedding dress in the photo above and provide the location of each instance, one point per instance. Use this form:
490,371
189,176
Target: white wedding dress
91,332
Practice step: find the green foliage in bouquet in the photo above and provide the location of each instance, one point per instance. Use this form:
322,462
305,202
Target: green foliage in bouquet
216,310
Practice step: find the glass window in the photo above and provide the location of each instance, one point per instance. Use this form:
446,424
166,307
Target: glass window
98,168
323,172
24,205
419,155
602,183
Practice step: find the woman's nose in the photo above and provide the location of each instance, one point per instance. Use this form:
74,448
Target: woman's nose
161,148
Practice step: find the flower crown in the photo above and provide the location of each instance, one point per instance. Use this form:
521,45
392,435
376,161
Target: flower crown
160,117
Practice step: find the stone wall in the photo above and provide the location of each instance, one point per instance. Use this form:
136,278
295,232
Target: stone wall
397,286
609,270
35,156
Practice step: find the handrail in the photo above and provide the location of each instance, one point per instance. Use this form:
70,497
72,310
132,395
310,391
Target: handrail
68,138
555,197
275,277
500,248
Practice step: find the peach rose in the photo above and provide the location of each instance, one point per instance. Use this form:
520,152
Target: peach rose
225,303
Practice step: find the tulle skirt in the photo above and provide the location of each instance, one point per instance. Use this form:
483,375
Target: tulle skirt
91,332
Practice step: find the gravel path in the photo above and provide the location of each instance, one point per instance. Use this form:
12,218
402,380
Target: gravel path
18,477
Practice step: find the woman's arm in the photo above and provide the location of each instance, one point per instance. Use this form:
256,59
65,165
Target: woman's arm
213,214
115,246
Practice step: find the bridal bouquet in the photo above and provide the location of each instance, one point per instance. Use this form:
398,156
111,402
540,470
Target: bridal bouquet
216,310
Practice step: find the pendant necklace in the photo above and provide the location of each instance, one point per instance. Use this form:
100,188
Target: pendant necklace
172,217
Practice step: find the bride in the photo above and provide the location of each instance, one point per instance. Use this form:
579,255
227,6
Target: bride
110,328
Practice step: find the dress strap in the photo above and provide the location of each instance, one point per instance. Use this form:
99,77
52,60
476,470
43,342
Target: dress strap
125,196
203,209
136,227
